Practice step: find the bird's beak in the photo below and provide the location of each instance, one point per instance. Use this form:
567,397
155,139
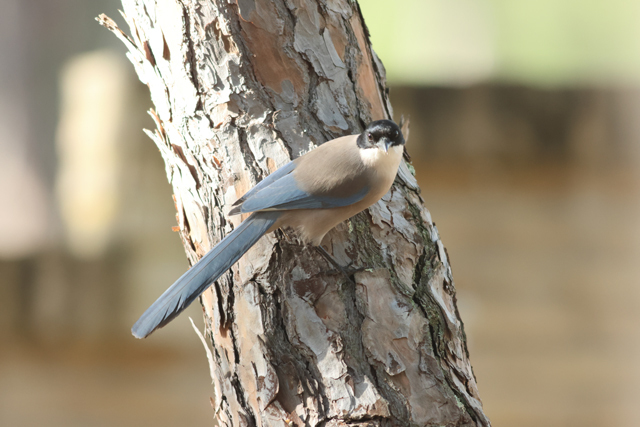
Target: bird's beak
387,144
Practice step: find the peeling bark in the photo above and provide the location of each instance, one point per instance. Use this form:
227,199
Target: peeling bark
239,88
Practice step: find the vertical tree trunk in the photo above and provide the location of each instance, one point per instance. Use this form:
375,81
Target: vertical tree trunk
240,87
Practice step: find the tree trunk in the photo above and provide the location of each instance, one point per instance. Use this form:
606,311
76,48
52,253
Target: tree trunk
241,87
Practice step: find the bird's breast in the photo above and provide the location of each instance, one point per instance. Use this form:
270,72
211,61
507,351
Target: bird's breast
382,166
379,172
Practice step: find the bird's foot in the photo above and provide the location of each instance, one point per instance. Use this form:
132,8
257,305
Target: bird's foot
347,271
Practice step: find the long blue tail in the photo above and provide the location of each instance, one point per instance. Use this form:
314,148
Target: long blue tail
203,273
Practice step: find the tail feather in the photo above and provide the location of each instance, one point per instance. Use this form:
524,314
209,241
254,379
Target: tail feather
202,274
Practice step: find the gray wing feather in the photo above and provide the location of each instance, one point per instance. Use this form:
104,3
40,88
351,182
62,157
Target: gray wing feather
203,273
284,194
281,172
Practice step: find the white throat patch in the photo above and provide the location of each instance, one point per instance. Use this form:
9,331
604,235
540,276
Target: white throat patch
377,158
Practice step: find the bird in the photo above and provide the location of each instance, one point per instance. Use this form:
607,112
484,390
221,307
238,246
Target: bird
311,195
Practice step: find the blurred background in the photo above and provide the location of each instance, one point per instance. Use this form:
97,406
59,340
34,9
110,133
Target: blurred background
526,141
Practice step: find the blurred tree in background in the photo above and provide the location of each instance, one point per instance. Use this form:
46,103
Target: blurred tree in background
525,140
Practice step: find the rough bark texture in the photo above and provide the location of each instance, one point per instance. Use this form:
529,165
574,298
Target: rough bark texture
240,87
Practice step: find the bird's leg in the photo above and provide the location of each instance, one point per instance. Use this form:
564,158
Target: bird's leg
286,235
345,271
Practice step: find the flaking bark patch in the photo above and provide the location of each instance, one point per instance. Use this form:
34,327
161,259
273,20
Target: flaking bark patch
240,87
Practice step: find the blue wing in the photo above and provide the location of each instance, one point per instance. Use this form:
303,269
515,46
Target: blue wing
199,277
281,172
284,194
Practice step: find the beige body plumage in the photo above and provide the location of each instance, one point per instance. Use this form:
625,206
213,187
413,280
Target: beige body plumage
352,167
311,195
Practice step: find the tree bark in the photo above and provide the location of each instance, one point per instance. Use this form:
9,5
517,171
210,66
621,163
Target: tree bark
240,87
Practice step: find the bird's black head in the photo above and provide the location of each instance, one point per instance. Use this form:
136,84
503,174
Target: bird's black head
381,134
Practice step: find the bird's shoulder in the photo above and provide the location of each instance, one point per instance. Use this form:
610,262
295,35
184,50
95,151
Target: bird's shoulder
334,169
336,153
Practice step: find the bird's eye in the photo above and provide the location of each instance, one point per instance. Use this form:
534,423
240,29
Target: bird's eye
370,137
395,134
